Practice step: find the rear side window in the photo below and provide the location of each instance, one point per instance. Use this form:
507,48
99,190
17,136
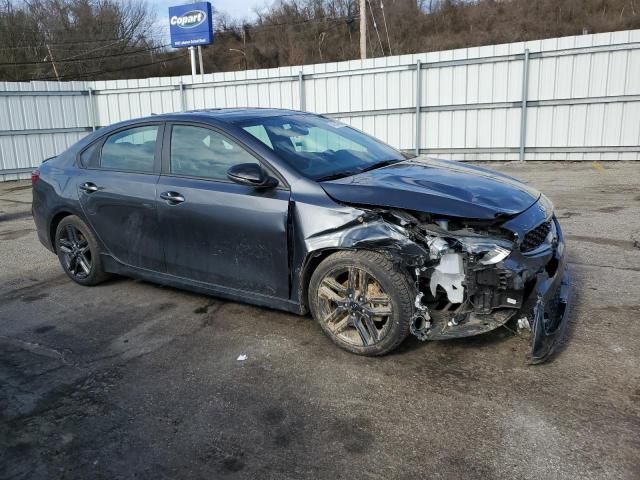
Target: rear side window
89,158
131,150
200,152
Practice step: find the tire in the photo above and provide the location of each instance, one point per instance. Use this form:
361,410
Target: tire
78,252
386,306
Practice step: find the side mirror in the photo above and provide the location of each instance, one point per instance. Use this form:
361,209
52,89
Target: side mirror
251,175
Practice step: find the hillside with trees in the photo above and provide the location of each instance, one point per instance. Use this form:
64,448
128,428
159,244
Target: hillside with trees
106,39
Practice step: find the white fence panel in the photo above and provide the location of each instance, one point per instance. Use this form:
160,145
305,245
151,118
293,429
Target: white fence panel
570,98
39,120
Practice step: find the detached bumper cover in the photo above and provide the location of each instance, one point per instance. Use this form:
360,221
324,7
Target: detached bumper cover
549,307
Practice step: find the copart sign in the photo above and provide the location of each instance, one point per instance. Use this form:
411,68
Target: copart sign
190,25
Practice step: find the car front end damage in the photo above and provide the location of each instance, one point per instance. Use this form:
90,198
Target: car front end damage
472,277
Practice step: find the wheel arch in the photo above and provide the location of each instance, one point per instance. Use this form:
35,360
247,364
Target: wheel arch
53,226
311,262
56,218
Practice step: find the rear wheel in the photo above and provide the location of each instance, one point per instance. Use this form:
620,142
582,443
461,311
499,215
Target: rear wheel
361,301
78,252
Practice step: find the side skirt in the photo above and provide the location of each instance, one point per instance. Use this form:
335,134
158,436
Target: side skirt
242,296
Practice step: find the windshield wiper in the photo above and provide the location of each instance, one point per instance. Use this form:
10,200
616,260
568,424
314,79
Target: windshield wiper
381,164
348,173
335,176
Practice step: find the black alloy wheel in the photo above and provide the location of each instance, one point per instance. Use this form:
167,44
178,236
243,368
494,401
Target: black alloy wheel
77,249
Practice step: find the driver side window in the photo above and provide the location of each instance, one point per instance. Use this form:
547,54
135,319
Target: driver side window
200,152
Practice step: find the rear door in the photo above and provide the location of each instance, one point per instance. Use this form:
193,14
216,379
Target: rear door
217,231
117,191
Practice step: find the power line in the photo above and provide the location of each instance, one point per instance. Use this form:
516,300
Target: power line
162,30
77,60
375,25
384,18
261,26
155,33
64,30
122,69
80,42
92,50
309,20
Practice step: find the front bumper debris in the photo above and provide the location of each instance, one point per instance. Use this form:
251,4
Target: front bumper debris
550,314
547,306
531,286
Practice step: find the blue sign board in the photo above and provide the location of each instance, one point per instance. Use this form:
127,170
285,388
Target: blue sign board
190,25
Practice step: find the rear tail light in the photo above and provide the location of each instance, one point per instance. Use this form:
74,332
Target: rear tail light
35,176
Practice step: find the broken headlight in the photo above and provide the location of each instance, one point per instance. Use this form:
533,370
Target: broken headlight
488,251
437,247
495,255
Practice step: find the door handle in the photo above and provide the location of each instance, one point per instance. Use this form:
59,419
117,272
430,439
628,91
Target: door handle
89,187
172,198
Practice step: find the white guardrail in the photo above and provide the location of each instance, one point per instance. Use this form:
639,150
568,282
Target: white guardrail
569,98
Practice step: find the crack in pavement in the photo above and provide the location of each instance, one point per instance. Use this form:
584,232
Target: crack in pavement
10,200
625,244
632,269
39,349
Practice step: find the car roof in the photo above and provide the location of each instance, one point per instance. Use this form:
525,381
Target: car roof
229,115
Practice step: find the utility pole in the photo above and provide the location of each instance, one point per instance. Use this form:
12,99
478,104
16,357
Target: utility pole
363,29
53,63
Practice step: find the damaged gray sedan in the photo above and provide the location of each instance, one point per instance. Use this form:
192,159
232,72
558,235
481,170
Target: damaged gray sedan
299,212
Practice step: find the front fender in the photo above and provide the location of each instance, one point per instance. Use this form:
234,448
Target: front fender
320,232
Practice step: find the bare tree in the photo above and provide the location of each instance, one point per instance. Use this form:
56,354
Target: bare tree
116,39
83,36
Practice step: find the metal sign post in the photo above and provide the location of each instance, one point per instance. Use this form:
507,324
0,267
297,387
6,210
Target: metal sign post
200,61
192,55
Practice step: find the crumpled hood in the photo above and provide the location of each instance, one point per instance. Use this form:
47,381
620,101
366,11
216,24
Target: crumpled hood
439,187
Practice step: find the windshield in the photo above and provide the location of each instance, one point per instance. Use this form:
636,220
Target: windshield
321,148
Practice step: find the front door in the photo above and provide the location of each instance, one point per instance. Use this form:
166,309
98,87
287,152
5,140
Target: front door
117,192
214,230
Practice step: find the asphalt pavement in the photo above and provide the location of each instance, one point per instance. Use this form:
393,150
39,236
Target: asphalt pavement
132,380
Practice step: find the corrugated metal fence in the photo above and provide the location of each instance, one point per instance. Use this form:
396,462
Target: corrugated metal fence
570,98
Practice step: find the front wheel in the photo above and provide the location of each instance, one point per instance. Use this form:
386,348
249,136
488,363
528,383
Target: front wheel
362,301
77,249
